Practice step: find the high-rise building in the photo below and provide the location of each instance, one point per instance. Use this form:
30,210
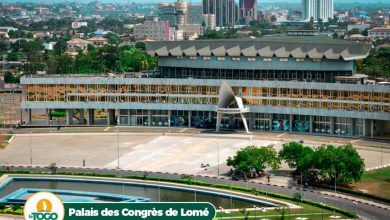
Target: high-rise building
175,13
154,30
248,10
226,11
195,14
317,9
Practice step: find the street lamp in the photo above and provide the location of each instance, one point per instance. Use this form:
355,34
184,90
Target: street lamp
118,146
254,206
30,151
335,180
221,212
354,204
301,181
217,157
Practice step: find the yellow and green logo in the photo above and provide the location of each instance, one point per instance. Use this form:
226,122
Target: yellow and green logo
44,206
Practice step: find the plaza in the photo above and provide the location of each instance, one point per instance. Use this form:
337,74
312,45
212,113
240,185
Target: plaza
157,152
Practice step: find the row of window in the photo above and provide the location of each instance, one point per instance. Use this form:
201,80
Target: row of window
246,92
265,59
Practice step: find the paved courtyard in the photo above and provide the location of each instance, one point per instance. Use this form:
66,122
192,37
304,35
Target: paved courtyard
178,153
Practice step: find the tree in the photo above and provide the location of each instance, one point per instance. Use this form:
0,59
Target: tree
12,57
10,78
140,46
293,153
4,46
60,46
353,31
30,35
113,38
377,63
328,163
324,164
254,158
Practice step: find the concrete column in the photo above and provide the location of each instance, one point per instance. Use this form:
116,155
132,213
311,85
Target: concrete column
332,125
91,116
149,117
118,115
109,112
219,119
366,127
112,116
311,123
69,116
88,117
270,122
251,122
81,116
231,120
353,126
189,118
29,116
291,122
169,118
372,128
48,113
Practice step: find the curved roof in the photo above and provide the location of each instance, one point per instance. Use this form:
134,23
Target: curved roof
282,47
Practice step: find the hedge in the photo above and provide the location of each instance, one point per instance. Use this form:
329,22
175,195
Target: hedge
357,193
11,211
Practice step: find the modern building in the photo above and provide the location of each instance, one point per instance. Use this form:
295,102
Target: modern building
174,13
226,12
317,9
379,33
195,14
154,30
248,11
286,84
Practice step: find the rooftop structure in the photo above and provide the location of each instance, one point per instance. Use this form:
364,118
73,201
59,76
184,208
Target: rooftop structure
280,47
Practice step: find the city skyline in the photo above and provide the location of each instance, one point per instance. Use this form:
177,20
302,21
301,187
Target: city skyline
194,1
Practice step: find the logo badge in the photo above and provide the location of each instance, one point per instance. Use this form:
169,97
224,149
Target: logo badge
44,206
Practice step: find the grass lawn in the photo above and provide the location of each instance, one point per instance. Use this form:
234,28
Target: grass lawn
308,212
376,182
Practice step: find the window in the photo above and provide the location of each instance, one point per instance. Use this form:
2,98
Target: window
192,58
300,59
268,59
283,59
235,58
316,60
206,58
220,58
251,58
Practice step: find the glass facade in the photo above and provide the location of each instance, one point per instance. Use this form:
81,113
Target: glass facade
208,95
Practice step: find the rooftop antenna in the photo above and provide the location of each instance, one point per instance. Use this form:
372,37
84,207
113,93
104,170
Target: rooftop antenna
4,3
